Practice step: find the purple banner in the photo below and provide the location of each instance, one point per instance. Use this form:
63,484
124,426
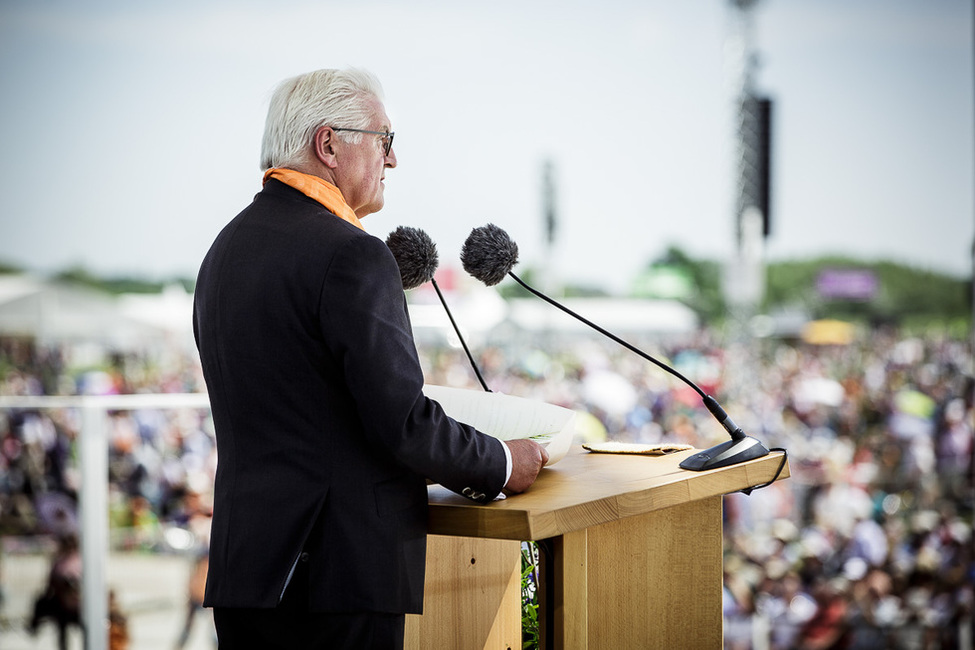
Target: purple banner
847,284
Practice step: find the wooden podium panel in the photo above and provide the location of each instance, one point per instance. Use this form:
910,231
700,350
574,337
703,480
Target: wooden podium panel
619,587
633,548
472,596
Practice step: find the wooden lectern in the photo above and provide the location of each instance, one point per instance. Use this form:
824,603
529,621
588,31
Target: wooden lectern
632,550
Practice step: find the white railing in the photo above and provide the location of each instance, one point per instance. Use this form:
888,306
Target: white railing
94,486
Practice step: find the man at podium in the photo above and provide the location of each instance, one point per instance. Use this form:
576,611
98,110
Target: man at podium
324,436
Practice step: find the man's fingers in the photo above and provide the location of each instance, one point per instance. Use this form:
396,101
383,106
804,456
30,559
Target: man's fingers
527,458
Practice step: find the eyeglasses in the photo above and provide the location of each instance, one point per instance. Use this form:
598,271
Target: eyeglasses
387,136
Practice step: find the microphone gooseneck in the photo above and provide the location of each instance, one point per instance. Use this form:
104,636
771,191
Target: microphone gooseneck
470,357
489,254
416,256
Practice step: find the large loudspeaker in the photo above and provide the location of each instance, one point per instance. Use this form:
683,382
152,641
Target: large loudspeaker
765,163
756,140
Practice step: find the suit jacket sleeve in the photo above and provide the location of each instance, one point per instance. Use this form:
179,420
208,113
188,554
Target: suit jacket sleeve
363,310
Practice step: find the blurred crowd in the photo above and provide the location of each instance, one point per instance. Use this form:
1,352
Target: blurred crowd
160,460
868,544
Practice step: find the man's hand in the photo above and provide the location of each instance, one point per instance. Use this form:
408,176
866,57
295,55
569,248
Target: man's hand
527,458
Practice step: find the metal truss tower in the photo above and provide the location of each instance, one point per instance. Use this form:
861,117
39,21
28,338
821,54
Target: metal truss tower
752,161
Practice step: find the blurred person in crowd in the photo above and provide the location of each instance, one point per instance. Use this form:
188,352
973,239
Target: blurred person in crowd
141,527
325,439
870,607
118,624
828,629
738,603
955,449
61,599
787,606
195,518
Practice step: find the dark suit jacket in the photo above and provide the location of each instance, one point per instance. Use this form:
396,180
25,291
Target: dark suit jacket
324,438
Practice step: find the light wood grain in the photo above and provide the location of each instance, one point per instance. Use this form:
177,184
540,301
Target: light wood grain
654,580
586,489
571,576
472,596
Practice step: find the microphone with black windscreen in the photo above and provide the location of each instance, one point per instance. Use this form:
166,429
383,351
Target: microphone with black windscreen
489,254
416,255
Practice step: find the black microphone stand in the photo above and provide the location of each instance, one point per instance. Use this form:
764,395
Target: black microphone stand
737,450
463,343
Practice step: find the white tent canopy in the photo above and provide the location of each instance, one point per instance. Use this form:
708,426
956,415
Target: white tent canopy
51,312
480,315
617,315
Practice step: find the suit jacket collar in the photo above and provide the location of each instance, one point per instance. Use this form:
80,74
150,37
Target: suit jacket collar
317,189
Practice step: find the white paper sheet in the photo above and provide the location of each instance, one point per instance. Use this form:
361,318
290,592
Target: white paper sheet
508,417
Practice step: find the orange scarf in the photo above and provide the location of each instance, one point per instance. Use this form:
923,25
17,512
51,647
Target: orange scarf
318,189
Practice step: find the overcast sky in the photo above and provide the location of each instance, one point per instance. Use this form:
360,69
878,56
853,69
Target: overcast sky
131,131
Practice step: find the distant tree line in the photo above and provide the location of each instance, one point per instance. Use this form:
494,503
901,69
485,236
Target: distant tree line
79,275
906,296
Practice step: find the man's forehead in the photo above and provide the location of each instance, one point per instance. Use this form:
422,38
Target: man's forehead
380,118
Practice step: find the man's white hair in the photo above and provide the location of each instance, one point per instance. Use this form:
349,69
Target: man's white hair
302,104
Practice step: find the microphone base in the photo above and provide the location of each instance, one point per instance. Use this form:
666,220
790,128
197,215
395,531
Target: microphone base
727,453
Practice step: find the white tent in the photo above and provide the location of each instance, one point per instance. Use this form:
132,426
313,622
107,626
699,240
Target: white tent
55,313
487,315
620,316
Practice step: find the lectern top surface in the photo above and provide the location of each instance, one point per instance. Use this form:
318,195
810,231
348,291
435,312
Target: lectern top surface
586,489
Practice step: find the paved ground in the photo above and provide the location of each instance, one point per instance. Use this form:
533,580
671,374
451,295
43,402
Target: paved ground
151,590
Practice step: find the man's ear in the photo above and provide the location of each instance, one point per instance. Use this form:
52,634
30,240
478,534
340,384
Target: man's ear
323,146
